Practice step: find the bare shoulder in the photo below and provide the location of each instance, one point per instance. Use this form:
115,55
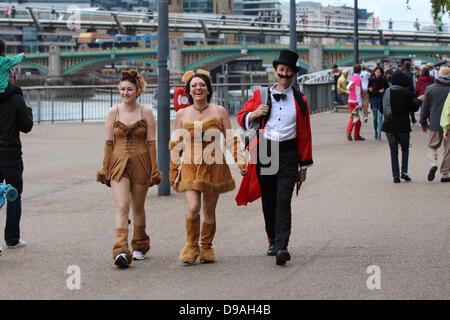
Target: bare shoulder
147,112
112,112
222,111
181,114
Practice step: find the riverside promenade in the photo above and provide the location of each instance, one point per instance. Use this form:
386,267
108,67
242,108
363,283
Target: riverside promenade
355,234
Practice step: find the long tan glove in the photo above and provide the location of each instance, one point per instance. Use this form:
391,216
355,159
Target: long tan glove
233,145
155,175
101,174
176,151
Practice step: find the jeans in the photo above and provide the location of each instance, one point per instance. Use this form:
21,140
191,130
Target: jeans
375,104
11,172
413,117
342,99
394,140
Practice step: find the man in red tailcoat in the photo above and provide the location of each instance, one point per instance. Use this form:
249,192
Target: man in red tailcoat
280,152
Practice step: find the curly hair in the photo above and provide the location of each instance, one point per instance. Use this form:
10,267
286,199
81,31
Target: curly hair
134,77
208,85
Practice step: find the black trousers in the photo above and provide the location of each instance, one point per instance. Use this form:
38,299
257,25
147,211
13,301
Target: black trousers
277,189
11,173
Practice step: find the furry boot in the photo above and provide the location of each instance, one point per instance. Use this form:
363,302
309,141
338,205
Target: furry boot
191,250
207,253
140,241
121,245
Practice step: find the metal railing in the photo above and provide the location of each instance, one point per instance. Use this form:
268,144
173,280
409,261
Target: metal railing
91,103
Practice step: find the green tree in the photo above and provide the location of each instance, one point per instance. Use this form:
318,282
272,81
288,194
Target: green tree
437,7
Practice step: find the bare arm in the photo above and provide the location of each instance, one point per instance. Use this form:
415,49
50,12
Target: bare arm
151,124
232,142
109,123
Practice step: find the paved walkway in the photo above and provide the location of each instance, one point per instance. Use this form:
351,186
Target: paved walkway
348,216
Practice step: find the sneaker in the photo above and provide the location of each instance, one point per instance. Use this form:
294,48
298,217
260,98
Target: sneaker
18,245
396,180
1,251
349,137
445,178
359,138
138,255
432,173
121,261
405,177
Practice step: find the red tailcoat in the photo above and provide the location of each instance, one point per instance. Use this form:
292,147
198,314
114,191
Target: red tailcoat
249,190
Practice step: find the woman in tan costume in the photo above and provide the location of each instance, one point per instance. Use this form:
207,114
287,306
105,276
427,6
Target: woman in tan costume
197,134
130,166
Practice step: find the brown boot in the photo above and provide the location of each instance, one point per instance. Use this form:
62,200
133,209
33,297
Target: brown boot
121,254
191,250
140,242
207,253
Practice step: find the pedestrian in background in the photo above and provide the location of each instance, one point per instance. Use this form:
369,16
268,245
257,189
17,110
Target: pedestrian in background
355,102
377,86
423,82
342,90
365,76
15,117
334,74
278,17
398,102
130,167
433,104
445,118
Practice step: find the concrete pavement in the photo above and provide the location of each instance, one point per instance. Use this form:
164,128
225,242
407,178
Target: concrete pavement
349,216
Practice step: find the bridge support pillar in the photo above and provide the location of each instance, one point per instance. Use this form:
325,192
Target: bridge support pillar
315,55
54,66
176,60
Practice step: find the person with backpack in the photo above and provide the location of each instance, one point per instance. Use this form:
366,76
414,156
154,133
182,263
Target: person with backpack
398,102
280,154
377,86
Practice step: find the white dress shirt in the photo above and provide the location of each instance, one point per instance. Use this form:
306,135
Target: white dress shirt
282,123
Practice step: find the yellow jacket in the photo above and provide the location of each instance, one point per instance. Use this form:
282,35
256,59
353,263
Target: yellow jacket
342,83
445,117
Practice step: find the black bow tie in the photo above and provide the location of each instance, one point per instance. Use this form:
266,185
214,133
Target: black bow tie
278,96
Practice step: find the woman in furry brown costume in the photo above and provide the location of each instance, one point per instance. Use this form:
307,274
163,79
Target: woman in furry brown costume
197,134
130,166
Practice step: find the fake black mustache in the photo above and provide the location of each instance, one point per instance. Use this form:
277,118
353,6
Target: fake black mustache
282,76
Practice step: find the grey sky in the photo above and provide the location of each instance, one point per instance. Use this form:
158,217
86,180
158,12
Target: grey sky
394,9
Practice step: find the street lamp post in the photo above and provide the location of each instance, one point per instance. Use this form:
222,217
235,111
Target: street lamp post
163,120
355,35
293,33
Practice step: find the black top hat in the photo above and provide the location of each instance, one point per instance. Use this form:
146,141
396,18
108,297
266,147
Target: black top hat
288,58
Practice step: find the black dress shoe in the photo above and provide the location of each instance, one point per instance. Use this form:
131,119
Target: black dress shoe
405,177
272,250
282,257
359,138
396,180
446,179
349,137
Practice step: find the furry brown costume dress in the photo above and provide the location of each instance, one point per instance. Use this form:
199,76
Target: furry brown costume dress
204,169
133,157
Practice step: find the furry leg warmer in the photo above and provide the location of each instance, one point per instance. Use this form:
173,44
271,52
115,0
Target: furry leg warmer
207,253
140,241
191,250
121,245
